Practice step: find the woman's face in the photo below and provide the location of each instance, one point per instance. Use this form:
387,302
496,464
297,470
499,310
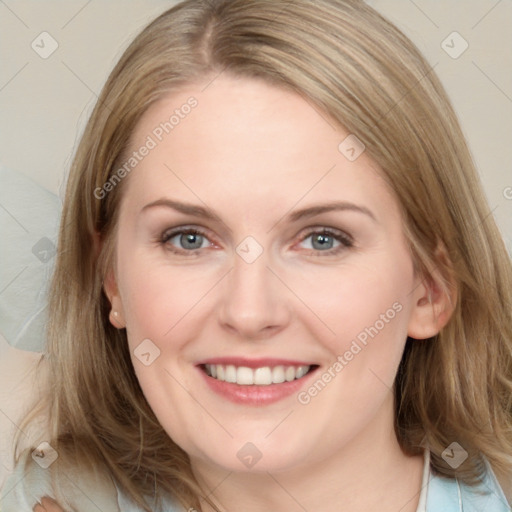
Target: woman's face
254,247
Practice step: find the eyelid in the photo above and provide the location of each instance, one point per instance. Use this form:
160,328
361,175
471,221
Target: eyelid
326,229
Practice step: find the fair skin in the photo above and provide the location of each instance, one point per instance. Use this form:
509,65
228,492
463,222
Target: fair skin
254,154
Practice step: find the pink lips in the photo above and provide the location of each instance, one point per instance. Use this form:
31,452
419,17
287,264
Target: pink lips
253,363
255,395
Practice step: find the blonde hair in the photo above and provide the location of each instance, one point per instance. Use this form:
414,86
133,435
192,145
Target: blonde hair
354,65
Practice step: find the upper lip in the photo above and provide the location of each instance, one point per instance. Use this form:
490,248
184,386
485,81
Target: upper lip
254,363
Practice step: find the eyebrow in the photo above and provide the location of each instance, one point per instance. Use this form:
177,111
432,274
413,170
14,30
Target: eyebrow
311,211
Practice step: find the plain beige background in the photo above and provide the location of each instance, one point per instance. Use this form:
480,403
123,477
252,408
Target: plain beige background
45,102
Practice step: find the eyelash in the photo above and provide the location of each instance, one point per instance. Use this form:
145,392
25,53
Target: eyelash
346,241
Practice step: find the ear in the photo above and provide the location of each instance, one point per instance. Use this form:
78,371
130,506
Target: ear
116,315
434,298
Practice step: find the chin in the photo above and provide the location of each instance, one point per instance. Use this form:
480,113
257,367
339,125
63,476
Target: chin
258,455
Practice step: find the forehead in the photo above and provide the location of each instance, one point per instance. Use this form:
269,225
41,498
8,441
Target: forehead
248,142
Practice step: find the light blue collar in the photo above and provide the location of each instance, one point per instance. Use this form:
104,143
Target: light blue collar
452,495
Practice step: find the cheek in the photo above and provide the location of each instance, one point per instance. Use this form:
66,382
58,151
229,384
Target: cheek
364,311
360,301
367,309
157,297
159,304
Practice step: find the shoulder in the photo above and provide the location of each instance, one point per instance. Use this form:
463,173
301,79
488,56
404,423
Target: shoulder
167,505
452,495
34,478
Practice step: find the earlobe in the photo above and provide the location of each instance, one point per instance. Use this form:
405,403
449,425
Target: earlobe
434,300
116,319
116,315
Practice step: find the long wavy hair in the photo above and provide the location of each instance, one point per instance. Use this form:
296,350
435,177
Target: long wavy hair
364,73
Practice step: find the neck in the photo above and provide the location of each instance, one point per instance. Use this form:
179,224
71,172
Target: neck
369,473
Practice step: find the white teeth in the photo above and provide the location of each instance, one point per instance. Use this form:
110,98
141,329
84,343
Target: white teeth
263,376
301,371
278,374
244,376
289,374
230,373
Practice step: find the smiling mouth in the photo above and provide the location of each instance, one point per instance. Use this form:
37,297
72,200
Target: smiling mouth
262,376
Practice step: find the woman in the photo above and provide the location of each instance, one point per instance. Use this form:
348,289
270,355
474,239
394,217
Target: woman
278,285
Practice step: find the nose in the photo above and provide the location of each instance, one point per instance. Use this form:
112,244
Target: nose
255,303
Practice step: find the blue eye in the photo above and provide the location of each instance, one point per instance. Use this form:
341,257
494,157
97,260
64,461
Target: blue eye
188,240
324,240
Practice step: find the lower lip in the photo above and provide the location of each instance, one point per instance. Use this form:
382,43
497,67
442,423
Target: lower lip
253,394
